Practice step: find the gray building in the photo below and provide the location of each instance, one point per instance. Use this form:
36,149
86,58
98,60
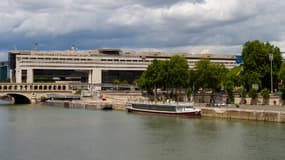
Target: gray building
93,66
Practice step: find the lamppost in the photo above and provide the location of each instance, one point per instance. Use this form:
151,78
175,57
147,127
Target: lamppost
271,59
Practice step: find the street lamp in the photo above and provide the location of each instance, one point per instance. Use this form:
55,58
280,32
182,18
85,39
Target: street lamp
271,59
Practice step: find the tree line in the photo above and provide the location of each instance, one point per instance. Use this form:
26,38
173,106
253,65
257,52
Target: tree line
174,76
252,78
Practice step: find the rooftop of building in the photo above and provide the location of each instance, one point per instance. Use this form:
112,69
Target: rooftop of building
119,52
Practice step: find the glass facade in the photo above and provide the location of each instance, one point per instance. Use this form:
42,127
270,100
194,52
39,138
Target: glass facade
109,76
3,73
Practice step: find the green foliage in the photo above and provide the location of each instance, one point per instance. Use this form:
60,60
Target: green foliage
43,79
282,89
116,82
135,82
253,93
209,75
282,78
234,75
170,74
174,74
265,93
178,72
281,74
78,91
124,82
153,77
250,78
242,92
229,87
256,62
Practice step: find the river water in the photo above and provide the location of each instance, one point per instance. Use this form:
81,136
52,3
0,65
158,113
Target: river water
35,132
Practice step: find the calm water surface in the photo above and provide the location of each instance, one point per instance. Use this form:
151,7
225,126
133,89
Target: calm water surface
34,132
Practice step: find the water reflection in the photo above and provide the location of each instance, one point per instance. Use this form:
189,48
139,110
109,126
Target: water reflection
41,132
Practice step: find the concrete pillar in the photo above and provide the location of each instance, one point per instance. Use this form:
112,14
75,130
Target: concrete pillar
11,76
33,98
67,87
97,77
18,76
89,76
30,75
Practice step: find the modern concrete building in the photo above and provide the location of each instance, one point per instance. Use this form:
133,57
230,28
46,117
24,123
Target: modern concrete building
93,66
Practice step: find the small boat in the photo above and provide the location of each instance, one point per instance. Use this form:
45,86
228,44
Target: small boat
176,109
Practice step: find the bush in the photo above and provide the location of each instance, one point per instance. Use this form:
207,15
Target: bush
252,93
265,93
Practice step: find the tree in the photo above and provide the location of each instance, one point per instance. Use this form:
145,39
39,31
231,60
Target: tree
202,74
178,73
282,78
169,74
234,75
116,82
219,72
229,87
265,93
250,78
282,89
124,82
253,95
256,61
208,76
242,92
153,78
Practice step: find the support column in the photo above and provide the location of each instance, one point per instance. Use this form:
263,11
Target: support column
97,77
11,76
89,76
18,76
30,75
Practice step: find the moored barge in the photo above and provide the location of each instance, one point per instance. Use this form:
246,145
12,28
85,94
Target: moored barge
176,109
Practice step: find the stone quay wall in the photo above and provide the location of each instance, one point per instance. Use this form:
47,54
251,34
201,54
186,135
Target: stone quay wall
244,114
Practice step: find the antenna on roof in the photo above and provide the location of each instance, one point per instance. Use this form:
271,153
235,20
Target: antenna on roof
15,48
36,46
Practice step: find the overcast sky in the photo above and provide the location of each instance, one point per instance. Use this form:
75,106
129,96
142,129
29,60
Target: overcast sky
196,26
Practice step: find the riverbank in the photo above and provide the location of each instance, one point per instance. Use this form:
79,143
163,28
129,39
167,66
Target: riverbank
244,114
115,101
256,113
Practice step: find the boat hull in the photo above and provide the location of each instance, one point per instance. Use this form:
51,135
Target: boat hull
184,114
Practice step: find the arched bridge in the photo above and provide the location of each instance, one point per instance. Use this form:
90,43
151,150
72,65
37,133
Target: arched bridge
25,93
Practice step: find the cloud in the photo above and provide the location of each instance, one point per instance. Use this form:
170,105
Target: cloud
3,55
184,25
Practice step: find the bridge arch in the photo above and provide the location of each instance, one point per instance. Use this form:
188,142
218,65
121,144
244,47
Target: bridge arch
19,98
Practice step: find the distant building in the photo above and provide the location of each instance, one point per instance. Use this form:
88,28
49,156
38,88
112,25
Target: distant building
4,67
94,66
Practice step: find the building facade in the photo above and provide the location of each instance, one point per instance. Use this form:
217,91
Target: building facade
4,67
94,66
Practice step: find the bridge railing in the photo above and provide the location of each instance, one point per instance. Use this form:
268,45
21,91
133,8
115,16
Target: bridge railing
61,87
34,87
